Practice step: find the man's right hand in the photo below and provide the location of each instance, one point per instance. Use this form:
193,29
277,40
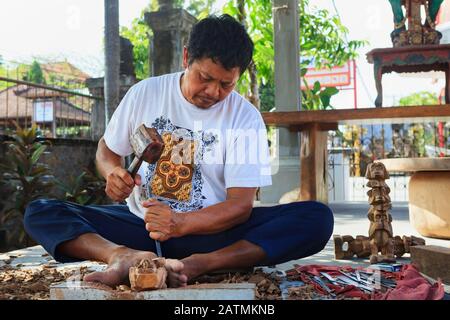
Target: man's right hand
120,184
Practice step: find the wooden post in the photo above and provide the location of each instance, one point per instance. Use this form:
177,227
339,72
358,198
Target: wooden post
314,162
112,58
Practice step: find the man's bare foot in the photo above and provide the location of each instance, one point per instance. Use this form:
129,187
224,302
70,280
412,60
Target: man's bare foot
194,266
123,258
176,276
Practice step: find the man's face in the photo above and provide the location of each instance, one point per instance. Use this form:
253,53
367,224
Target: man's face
205,82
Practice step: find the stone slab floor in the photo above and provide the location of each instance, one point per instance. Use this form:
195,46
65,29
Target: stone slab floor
350,219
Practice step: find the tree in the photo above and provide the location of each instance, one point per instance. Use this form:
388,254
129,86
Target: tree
422,98
253,94
257,18
198,8
323,43
35,73
322,36
139,32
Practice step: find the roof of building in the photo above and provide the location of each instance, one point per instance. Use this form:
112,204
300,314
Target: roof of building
16,102
65,70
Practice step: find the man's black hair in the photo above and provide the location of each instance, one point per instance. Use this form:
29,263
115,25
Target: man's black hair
222,39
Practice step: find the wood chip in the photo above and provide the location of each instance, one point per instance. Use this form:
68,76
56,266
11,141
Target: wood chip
30,284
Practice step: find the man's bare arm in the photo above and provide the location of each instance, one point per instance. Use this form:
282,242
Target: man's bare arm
235,210
106,160
119,183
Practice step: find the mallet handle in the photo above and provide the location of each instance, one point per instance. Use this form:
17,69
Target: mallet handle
134,166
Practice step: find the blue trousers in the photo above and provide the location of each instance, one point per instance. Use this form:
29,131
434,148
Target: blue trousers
284,232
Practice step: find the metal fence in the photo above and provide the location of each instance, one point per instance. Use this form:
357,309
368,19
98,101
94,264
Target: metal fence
57,112
352,148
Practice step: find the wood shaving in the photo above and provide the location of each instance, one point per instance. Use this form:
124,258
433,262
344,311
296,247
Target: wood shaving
31,284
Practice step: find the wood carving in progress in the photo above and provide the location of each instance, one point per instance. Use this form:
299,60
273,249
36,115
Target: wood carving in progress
148,275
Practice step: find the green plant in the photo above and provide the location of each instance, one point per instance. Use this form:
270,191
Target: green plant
138,34
316,98
423,98
322,36
26,179
267,96
35,73
86,189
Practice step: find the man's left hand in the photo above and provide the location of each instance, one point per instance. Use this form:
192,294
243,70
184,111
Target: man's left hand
161,221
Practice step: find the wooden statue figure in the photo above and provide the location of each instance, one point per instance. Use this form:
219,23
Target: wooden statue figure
359,247
346,247
417,33
380,230
402,245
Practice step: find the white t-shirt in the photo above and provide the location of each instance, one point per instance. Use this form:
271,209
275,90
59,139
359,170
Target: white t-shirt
206,150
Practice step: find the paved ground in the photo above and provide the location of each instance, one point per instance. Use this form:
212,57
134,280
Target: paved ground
350,219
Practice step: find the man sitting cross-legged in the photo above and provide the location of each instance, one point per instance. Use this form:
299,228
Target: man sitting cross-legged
200,208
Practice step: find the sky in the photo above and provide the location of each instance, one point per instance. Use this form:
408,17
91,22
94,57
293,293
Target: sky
70,29
372,20
73,29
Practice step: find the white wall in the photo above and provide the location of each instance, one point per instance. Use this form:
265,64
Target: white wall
342,187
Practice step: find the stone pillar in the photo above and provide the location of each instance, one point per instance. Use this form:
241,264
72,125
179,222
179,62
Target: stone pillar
171,28
126,58
112,57
286,167
96,87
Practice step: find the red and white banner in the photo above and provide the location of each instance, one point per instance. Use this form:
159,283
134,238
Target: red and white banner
334,77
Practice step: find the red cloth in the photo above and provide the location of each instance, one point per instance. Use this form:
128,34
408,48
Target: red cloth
413,287
348,291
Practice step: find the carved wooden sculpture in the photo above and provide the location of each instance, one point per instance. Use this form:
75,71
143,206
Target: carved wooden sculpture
359,247
380,230
402,245
148,275
346,247
417,33
381,237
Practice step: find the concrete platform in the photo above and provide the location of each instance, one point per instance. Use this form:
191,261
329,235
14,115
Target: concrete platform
79,290
350,218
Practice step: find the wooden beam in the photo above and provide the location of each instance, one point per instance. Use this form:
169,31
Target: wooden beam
434,261
313,165
319,126
416,164
314,124
362,116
